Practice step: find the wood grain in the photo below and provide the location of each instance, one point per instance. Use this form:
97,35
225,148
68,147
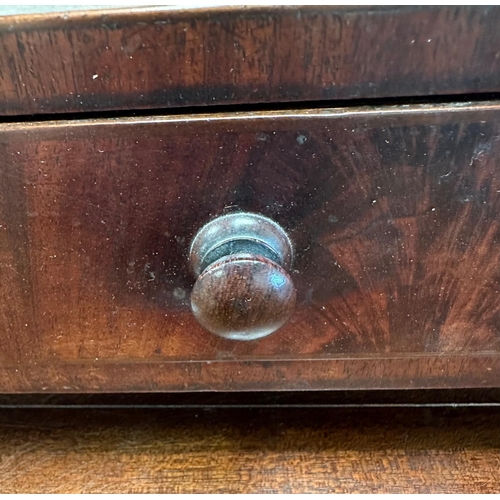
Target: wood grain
251,451
243,297
392,212
163,57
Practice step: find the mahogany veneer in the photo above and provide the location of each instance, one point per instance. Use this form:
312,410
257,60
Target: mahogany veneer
157,57
393,212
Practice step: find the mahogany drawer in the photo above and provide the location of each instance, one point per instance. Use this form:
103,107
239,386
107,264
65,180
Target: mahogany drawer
392,211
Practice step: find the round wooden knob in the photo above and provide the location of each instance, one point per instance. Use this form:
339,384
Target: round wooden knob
243,290
243,297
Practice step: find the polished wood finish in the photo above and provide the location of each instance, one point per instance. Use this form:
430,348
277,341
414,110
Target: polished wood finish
163,57
393,213
243,297
413,450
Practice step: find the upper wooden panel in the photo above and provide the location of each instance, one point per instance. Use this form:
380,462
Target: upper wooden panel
160,57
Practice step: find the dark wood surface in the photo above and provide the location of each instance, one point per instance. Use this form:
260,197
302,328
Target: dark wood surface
243,297
393,213
164,57
426,450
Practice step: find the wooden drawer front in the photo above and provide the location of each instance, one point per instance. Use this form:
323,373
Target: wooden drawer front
163,57
393,213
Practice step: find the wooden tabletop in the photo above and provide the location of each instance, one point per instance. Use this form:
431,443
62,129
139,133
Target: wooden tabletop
288,450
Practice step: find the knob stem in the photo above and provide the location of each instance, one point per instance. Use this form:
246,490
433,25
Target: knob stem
241,232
